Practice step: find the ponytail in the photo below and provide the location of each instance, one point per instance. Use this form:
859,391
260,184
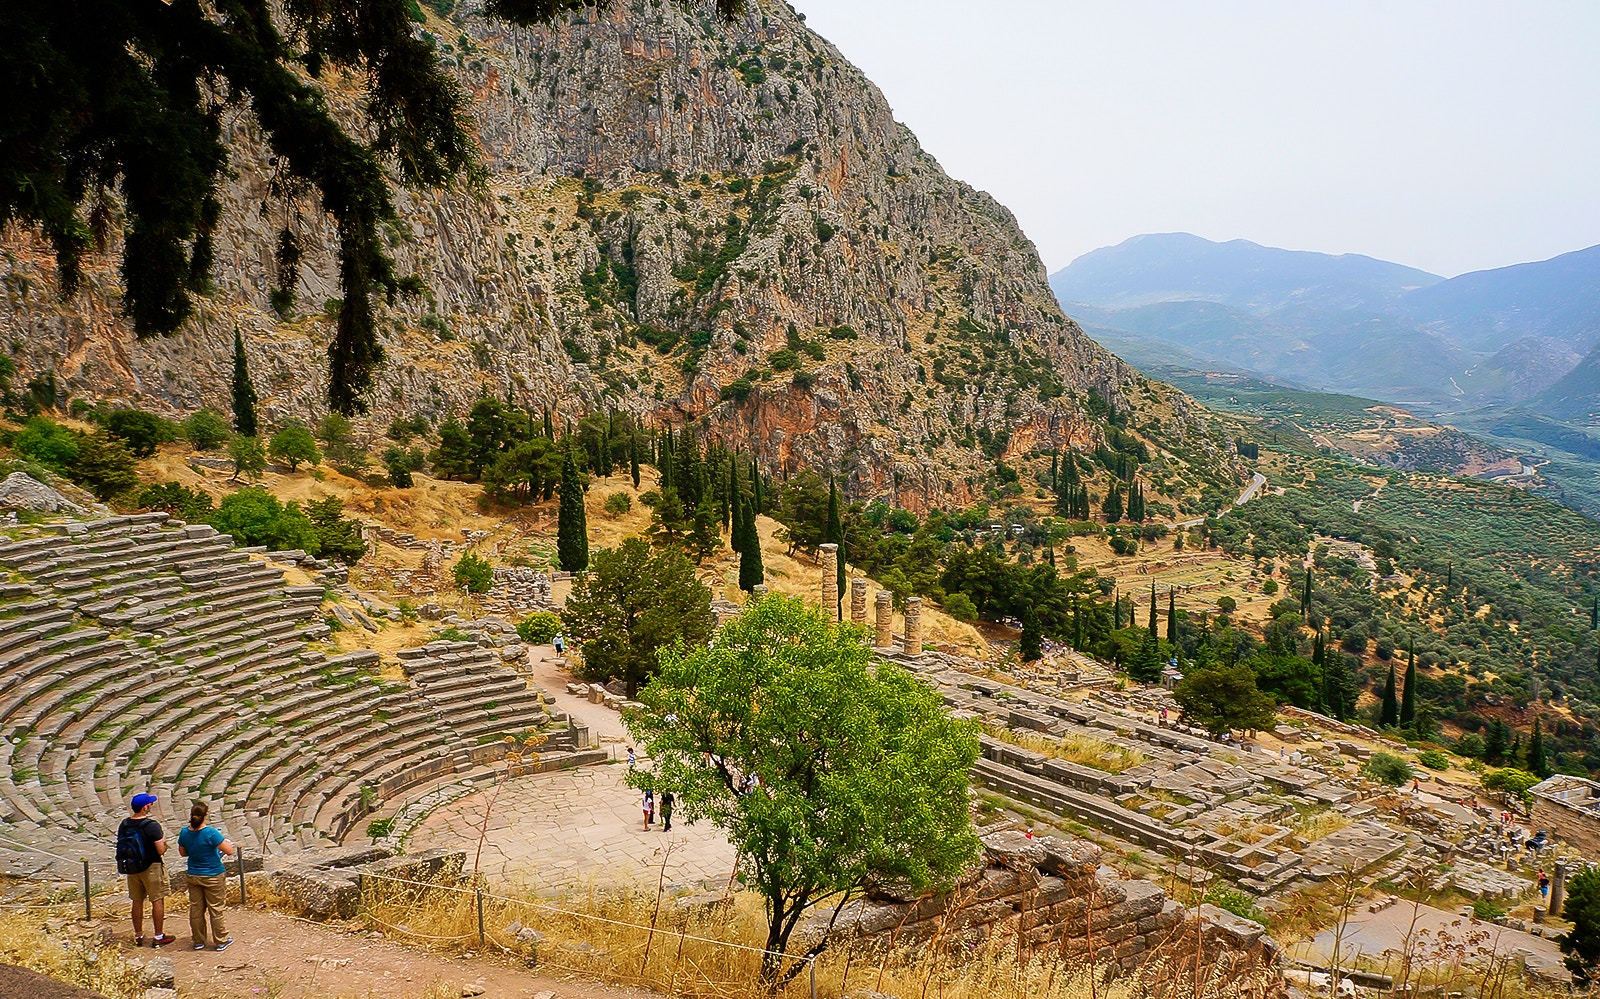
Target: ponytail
197,814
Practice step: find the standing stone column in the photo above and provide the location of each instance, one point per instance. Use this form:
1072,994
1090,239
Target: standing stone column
913,626
1558,888
830,577
885,608
858,600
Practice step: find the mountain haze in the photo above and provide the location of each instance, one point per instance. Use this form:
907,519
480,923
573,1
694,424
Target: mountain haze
1352,323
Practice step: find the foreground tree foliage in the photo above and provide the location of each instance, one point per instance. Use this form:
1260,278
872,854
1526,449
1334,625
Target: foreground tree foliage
1582,944
114,101
861,774
631,603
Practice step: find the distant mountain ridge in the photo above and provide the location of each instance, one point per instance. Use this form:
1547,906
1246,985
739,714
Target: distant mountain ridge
1356,324
1178,266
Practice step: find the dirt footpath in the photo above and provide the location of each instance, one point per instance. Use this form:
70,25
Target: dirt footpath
286,958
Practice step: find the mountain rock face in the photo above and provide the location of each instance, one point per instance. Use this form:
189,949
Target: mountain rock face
686,219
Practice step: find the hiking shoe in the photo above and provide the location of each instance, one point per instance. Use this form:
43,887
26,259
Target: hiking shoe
199,946
162,940
224,944
138,941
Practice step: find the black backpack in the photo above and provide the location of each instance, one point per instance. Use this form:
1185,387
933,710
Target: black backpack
132,850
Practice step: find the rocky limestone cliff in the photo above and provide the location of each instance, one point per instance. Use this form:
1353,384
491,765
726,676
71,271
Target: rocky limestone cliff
690,220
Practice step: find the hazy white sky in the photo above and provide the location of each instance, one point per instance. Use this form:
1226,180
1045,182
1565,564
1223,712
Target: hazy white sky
1451,136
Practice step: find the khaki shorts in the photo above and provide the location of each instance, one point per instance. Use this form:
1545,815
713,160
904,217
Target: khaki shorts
150,883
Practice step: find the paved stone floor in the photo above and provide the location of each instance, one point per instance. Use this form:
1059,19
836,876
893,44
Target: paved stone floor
565,829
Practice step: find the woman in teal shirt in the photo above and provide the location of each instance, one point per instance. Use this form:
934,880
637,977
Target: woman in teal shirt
204,846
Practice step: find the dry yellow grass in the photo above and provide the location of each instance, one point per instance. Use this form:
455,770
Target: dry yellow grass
1083,750
635,938
82,961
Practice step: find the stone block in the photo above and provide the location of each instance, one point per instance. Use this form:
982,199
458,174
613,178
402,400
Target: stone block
1235,931
321,892
1013,849
438,866
1069,858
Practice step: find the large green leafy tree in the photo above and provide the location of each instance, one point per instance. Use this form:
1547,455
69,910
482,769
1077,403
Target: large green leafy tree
121,100
1221,698
862,774
633,601
1582,944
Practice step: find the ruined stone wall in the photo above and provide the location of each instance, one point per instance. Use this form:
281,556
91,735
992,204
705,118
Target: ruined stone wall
1050,892
1563,822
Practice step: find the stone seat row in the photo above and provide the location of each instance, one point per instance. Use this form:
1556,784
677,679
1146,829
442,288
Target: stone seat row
179,664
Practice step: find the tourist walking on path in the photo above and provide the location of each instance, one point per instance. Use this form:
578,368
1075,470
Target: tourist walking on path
140,844
208,881
667,800
649,806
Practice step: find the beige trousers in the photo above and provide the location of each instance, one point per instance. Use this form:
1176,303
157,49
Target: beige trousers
207,895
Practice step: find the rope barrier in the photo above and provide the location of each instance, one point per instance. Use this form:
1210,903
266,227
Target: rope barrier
34,849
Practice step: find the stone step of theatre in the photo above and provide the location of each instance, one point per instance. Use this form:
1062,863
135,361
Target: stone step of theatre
142,653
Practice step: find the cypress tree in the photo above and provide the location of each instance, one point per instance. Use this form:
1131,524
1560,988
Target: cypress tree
1594,614
1494,743
572,527
730,496
1116,613
755,486
1537,764
664,462
1390,716
633,457
549,428
244,393
1030,644
1172,618
1112,505
1055,470
1152,610
1305,595
1408,700
751,572
835,534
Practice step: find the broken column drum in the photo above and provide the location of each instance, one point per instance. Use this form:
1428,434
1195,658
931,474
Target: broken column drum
830,576
858,600
914,626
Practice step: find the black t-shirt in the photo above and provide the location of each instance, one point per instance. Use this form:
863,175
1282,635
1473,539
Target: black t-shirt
150,829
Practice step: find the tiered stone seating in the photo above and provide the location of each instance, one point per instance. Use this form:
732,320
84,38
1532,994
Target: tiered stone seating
140,653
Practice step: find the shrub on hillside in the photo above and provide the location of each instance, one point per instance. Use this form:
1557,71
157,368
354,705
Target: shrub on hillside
293,444
1434,760
338,536
960,607
206,430
104,467
618,504
47,442
178,500
141,432
254,516
473,574
398,465
1387,768
249,457
539,628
